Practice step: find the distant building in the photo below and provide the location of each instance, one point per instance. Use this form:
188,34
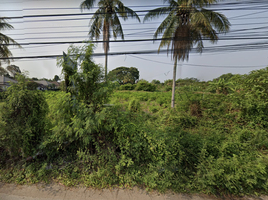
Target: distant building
55,85
5,82
43,85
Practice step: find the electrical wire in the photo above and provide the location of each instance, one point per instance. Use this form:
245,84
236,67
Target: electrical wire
198,65
252,33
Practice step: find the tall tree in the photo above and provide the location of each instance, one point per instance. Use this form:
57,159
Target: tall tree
5,41
13,69
56,78
106,20
124,75
187,24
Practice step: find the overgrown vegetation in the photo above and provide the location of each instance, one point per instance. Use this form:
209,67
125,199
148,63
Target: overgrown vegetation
215,141
23,123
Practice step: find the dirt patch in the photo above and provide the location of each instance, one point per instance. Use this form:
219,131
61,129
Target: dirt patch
59,192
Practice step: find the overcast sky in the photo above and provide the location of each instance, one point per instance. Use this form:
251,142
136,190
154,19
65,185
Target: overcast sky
249,21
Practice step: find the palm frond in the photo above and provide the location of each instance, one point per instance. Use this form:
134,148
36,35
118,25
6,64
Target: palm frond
5,53
4,25
127,12
87,4
96,24
182,42
172,2
155,13
201,22
6,40
202,3
165,24
196,38
217,20
116,27
168,34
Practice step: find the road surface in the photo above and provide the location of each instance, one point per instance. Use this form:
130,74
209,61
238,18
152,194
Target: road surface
59,192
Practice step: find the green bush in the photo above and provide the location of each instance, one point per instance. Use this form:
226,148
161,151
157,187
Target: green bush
167,88
2,95
168,82
156,82
128,86
134,105
79,118
233,166
145,86
23,120
153,109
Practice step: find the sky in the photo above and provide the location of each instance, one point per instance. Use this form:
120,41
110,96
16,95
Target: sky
240,51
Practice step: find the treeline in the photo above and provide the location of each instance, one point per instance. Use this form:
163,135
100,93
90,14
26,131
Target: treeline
214,141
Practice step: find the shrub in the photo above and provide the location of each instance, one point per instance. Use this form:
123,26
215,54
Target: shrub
153,109
167,88
134,105
2,95
23,120
168,82
156,82
80,118
31,85
195,108
145,86
128,86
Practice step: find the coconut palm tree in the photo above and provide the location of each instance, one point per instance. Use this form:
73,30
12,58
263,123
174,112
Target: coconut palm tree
5,41
186,25
106,20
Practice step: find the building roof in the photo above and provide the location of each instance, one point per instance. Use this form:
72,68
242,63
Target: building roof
43,82
5,80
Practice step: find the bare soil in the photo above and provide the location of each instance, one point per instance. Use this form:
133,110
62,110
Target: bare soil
59,192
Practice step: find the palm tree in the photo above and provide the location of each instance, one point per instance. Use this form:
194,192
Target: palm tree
106,19
186,25
5,41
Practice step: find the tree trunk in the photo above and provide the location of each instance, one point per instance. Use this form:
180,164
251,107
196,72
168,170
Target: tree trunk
106,62
174,84
106,39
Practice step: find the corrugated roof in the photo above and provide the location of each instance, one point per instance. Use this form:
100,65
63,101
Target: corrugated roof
5,80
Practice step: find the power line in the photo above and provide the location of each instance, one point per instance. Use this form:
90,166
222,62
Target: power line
136,40
198,65
137,52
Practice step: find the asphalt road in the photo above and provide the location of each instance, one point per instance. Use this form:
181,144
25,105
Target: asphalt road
59,192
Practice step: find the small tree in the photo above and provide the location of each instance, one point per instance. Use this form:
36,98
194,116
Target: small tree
56,78
23,119
14,70
156,82
31,85
124,75
80,117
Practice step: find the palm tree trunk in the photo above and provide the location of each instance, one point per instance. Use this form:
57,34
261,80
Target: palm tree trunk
174,83
106,39
106,62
